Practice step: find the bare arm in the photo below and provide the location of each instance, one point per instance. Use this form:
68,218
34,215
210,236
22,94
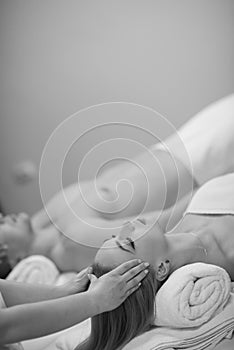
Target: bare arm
160,178
15,293
41,220
162,183
57,206
33,320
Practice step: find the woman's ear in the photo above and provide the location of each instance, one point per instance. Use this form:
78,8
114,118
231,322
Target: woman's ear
163,270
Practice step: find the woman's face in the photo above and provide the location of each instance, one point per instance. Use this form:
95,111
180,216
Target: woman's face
16,232
136,239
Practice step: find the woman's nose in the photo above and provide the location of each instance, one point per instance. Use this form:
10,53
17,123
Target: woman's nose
127,229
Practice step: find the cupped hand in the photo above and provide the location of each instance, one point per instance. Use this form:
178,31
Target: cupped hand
111,289
77,284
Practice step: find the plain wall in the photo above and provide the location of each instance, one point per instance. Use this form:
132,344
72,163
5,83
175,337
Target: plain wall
58,56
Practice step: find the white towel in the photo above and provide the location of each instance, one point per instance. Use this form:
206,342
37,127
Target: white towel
39,269
192,295
204,337
34,269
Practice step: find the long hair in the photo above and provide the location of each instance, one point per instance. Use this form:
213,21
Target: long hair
114,329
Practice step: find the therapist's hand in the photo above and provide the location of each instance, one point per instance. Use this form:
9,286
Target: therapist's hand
79,283
111,289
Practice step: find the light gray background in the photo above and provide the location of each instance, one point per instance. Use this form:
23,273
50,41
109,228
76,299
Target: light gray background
58,56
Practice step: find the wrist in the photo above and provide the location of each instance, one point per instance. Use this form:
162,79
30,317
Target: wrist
67,289
95,302
60,291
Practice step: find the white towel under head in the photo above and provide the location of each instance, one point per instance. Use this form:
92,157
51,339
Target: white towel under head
192,295
203,337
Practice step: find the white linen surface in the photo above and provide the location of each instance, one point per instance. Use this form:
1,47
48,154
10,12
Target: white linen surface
205,337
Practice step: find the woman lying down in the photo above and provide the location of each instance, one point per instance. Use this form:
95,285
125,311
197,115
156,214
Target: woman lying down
205,235
210,151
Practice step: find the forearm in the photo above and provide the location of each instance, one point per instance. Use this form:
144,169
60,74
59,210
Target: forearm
15,293
162,181
55,208
39,319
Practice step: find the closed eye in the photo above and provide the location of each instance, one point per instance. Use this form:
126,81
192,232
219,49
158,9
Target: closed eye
123,248
131,242
142,220
120,246
128,241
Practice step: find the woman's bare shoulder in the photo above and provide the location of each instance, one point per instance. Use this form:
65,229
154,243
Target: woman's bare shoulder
225,344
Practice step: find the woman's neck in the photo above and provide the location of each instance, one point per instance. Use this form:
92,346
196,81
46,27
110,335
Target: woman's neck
185,248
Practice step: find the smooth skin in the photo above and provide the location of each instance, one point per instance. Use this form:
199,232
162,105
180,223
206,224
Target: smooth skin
35,311
72,240
94,216
161,191
76,249
197,238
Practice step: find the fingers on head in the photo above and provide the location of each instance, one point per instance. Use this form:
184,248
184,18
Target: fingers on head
139,270
126,266
132,290
134,283
92,277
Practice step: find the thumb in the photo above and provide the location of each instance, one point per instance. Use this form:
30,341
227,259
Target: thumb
84,272
92,277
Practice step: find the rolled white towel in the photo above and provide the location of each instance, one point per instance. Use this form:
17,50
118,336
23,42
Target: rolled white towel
192,295
34,269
